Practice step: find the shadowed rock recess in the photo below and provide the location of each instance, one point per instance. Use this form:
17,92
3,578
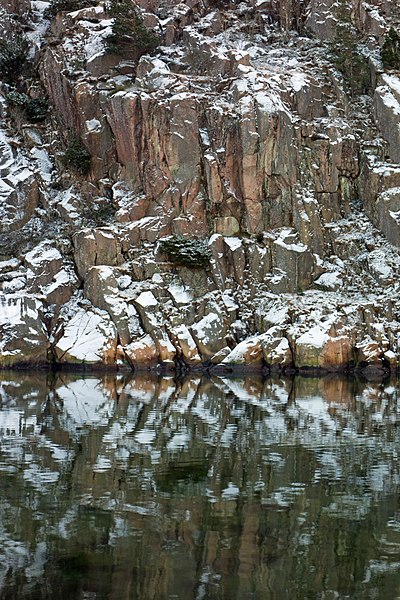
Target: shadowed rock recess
229,200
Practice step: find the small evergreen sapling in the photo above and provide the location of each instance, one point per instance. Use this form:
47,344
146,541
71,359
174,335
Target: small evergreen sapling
58,6
77,157
390,52
349,60
13,56
130,37
35,109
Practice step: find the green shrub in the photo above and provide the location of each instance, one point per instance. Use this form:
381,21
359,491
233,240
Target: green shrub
35,109
130,37
99,212
219,3
57,6
349,60
347,53
189,252
17,99
13,56
390,52
77,157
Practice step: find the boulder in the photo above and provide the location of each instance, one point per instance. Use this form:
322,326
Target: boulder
19,187
209,334
101,289
294,259
23,337
227,226
273,311
248,353
149,311
317,348
185,345
89,338
142,353
96,247
49,274
165,348
148,229
219,356
369,353
235,253
180,295
392,359
276,349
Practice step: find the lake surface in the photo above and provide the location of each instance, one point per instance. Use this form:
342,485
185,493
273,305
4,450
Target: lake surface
147,488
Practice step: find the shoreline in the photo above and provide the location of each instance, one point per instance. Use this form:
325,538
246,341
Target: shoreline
368,372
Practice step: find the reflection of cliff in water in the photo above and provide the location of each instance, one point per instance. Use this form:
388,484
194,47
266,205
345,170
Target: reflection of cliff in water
203,488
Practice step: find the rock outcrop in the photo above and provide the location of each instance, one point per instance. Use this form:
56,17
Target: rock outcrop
263,136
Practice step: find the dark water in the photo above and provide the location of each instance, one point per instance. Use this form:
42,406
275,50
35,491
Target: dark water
206,489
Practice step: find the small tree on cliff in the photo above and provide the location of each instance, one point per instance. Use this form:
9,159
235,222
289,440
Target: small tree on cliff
13,56
130,37
391,50
77,157
347,52
219,3
58,6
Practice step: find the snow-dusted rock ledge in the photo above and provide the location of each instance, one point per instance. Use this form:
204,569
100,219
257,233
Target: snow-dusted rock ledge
316,330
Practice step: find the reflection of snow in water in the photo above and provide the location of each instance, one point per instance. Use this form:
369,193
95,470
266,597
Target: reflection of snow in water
204,412
285,441
378,568
102,464
317,408
179,440
38,477
379,475
231,492
14,422
10,422
284,496
345,506
145,437
85,402
13,554
228,436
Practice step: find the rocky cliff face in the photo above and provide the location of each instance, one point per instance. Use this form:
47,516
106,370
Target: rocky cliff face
241,205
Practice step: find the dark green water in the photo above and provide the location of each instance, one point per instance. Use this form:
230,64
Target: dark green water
207,489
